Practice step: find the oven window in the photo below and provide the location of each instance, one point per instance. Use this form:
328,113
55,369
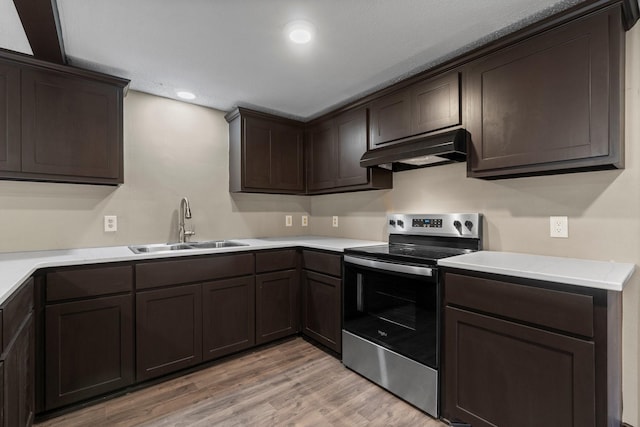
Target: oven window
396,311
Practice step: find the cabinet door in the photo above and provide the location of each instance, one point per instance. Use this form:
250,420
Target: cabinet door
500,373
9,117
321,309
228,308
391,117
321,157
168,330
277,308
273,155
435,104
89,348
351,143
550,102
287,159
70,126
2,401
257,167
19,368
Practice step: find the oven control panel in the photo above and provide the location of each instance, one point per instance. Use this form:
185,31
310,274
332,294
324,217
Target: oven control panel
454,225
427,222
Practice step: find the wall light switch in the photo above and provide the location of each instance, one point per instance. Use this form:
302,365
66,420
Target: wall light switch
288,220
334,222
110,223
305,220
559,226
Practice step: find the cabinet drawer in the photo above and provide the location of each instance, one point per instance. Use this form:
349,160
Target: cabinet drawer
560,310
275,260
88,282
15,311
323,263
164,273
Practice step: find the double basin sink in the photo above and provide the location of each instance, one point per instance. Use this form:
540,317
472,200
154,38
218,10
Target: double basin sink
170,247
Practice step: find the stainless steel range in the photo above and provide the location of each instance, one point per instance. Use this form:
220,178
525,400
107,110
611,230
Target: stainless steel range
391,314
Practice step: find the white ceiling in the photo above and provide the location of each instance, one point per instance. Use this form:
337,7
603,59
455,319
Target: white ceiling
234,52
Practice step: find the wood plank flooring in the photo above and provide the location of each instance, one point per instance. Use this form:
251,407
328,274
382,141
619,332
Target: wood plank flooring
289,384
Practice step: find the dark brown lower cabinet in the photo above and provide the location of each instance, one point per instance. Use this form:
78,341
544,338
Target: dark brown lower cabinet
168,330
2,393
321,309
277,307
17,358
89,348
228,314
527,353
19,369
500,373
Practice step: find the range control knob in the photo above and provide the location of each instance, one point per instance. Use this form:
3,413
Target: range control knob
392,223
401,223
458,225
468,224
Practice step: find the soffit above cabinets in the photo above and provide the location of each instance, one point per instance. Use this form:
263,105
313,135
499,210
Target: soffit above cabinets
235,53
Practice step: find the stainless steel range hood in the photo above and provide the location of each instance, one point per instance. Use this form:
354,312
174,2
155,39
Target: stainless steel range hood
419,152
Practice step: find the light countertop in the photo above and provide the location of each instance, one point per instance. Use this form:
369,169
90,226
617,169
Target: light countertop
16,267
571,271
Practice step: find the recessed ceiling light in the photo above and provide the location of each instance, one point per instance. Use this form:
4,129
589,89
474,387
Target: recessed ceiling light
299,32
185,95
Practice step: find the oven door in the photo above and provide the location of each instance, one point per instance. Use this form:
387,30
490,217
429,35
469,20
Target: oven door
393,305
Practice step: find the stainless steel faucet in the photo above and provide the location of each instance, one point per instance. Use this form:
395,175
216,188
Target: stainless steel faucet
185,213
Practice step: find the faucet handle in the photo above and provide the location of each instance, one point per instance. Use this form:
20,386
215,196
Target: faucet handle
189,232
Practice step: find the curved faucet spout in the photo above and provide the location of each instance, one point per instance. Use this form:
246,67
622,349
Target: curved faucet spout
185,213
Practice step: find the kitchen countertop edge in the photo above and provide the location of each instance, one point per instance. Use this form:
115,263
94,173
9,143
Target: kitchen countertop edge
610,276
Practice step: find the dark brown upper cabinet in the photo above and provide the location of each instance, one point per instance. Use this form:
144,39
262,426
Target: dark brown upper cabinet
391,117
321,165
435,104
70,127
9,117
550,102
58,123
423,107
266,153
334,148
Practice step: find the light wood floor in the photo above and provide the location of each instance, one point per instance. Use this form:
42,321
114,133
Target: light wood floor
290,384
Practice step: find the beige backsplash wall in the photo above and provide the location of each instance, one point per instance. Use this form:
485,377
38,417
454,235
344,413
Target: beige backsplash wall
603,209
171,149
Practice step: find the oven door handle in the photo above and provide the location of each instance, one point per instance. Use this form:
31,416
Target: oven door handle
388,266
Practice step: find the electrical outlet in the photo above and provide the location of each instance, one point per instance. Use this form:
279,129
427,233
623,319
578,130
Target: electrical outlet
334,222
288,220
305,220
559,226
110,223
